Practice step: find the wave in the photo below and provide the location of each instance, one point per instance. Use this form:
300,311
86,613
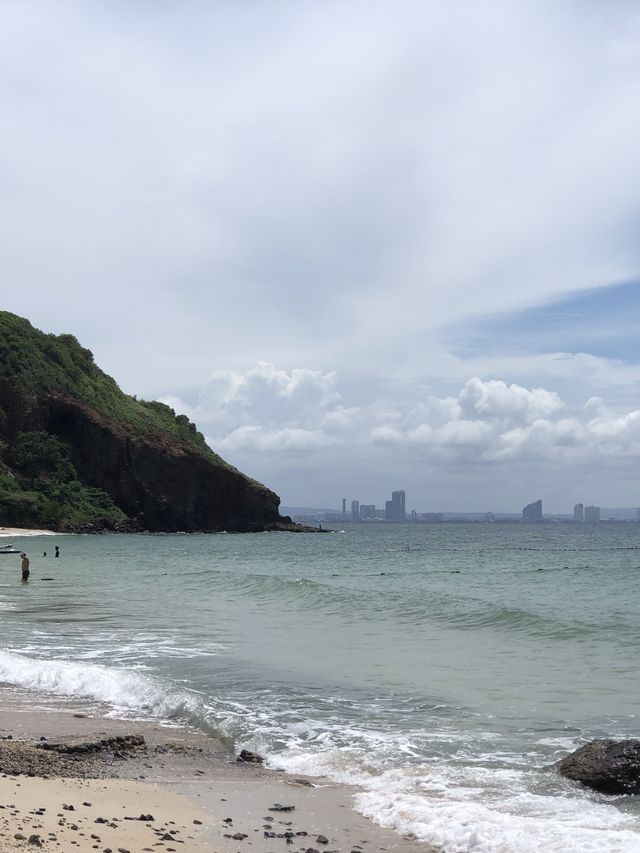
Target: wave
482,805
123,690
479,809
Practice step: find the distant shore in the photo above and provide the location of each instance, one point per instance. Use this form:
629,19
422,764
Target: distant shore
164,788
27,531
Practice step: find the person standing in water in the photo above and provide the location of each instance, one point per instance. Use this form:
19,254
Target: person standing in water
57,551
25,567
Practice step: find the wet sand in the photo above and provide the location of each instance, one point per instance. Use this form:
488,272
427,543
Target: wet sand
135,786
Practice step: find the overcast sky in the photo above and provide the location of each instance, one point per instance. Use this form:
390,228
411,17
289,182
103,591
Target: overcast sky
364,245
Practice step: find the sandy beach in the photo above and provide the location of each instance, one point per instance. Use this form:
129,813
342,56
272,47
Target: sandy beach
26,531
74,780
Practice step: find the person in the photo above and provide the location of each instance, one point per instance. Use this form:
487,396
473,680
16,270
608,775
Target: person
57,551
25,567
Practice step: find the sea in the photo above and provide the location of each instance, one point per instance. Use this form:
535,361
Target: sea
440,670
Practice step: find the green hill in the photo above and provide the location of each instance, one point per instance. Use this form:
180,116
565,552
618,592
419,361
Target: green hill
77,453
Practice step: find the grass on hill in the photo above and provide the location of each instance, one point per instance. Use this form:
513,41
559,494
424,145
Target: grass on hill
41,363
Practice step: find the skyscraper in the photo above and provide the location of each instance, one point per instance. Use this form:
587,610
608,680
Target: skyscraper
532,512
395,508
344,509
355,510
578,512
592,514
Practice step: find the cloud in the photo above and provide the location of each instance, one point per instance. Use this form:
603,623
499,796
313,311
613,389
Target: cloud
309,183
489,422
255,439
492,422
266,409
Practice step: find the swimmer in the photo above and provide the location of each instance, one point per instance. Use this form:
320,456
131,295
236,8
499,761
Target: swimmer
25,567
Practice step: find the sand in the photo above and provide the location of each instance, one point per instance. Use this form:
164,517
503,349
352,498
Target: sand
198,796
24,531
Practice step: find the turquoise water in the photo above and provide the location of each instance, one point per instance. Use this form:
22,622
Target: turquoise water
440,668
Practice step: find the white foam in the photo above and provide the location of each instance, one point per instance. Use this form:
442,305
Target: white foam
527,824
120,688
479,809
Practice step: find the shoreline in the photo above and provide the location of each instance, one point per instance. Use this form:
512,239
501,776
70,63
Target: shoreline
27,531
189,783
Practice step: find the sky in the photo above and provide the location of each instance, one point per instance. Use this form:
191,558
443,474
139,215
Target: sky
366,246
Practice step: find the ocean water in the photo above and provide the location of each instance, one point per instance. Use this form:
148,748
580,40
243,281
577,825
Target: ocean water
439,668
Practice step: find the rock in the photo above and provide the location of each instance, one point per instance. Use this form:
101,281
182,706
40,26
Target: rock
278,807
606,765
248,757
322,839
35,840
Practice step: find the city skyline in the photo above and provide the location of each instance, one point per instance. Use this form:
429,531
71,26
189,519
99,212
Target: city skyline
395,510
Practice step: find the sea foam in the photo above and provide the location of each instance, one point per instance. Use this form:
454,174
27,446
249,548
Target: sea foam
121,689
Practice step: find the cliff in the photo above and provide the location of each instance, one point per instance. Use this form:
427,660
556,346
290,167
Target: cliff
76,453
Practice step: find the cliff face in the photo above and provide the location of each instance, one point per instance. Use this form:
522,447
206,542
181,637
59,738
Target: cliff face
153,465
163,484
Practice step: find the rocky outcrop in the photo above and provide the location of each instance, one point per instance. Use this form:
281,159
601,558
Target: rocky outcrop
153,464
161,483
608,766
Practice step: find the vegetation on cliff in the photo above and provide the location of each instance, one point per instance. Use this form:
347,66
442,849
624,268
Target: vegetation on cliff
39,363
78,453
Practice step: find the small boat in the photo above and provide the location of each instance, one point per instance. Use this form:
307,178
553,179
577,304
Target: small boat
8,549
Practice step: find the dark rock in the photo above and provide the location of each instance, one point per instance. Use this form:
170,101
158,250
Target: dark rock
248,757
322,839
35,840
278,807
608,766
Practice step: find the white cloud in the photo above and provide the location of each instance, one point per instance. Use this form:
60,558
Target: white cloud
266,409
488,422
255,439
492,422
309,183
497,400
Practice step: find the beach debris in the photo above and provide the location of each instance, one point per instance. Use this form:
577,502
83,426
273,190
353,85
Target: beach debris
248,757
278,807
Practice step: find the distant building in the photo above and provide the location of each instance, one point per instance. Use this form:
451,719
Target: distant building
344,509
532,512
592,514
355,510
367,511
578,512
432,517
395,508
